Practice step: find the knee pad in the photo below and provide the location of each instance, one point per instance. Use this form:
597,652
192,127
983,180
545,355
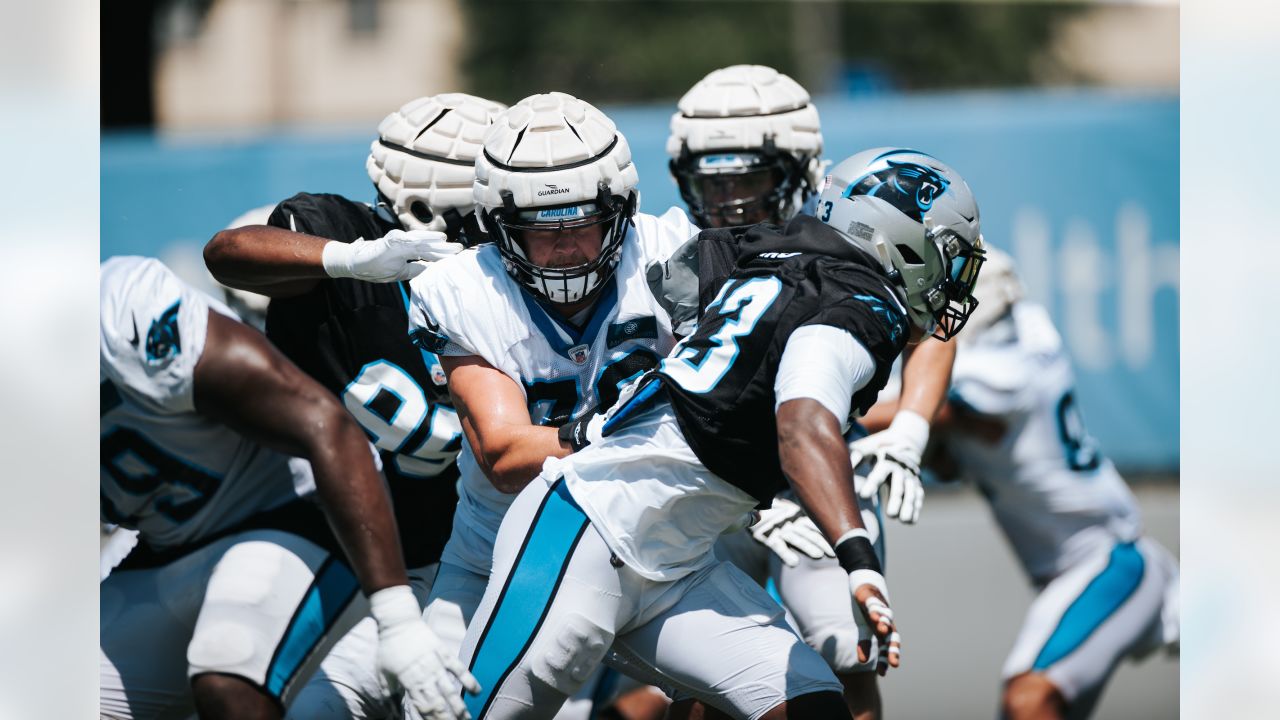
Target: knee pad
223,647
570,653
242,583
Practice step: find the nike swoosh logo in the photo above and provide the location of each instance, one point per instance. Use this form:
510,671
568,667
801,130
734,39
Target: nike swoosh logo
134,341
966,217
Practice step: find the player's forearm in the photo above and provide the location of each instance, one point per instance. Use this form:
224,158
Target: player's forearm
879,416
261,258
358,506
815,461
926,375
514,455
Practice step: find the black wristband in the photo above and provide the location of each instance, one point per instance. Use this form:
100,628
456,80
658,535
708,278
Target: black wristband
857,553
574,432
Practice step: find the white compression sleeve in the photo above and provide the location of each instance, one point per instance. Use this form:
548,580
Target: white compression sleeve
826,364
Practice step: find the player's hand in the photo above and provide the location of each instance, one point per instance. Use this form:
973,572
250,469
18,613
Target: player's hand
784,528
894,454
872,598
412,658
391,258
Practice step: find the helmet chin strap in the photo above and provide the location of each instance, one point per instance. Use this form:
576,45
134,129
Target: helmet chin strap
463,228
384,208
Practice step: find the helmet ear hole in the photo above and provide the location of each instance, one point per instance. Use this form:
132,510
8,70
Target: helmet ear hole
909,255
420,211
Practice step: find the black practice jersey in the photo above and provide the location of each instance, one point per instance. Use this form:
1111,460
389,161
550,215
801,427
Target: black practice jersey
757,285
353,336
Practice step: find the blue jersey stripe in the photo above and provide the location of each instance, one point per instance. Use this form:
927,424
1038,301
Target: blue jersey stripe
527,594
428,358
637,401
330,592
1100,598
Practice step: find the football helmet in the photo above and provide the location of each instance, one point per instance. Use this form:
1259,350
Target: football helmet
919,218
423,163
554,163
744,147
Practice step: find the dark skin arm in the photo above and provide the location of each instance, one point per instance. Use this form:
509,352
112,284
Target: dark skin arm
266,260
508,446
244,382
815,461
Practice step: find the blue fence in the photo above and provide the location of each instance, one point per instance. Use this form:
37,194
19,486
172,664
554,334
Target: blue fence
1081,187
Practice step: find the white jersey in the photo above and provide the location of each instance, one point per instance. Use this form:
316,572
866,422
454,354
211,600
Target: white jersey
168,472
468,305
1057,498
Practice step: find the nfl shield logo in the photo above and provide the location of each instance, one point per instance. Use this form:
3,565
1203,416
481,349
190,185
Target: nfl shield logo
579,354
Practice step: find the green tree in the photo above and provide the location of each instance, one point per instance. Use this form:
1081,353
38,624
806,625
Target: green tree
647,50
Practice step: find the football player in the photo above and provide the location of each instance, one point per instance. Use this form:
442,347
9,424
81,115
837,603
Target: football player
611,547
236,588
745,147
337,273
1013,426
538,330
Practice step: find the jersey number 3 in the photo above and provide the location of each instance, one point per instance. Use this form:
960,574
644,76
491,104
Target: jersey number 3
738,307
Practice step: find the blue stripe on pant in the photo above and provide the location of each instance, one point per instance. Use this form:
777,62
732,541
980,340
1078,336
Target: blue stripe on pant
526,596
330,593
1100,598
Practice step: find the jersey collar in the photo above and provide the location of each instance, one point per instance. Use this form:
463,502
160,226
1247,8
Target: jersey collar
560,333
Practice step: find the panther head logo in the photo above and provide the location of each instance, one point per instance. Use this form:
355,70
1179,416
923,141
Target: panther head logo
908,186
163,340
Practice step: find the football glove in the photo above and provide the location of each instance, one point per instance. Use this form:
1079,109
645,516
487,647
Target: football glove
784,528
412,658
894,454
390,258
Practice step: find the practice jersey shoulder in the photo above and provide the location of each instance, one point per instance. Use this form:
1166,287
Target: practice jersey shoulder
1053,491
167,471
468,305
352,336
340,324
757,286
152,332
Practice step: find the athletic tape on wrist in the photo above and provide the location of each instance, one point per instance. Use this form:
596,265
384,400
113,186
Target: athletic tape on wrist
855,552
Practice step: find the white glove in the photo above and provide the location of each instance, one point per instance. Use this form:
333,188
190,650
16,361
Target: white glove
390,258
784,526
411,657
894,454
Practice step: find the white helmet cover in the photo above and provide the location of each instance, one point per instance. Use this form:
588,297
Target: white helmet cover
553,161
747,109
917,216
999,291
423,162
